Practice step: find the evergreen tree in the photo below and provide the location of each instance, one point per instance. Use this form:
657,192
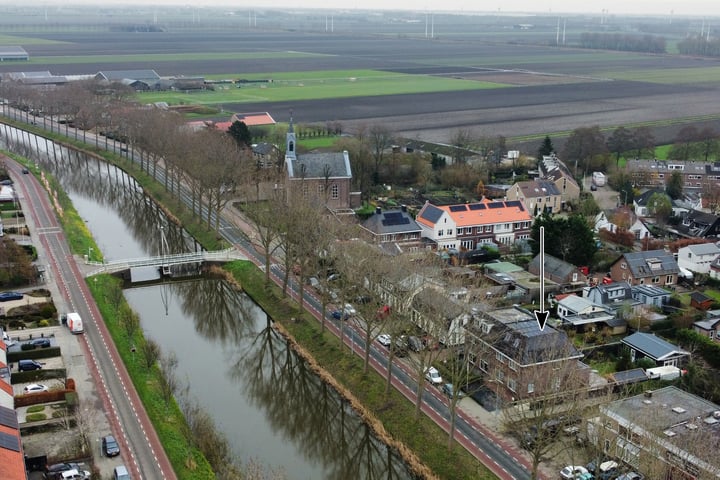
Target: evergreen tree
240,132
569,239
546,148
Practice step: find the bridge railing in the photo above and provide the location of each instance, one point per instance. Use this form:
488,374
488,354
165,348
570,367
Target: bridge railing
165,260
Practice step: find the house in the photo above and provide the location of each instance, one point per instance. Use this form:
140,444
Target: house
468,226
609,294
650,295
648,345
602,223
554,170
253,119
640,203
709,326
656,267
715,269
559,271
538,196
440,316
655,173
394,230
640,230
583,315
667,431
323,178
697,224
698,258
701,301
266,154
522,360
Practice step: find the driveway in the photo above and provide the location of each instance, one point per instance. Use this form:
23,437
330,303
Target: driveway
605,197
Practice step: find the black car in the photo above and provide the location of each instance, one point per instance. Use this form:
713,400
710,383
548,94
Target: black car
36,343
110,446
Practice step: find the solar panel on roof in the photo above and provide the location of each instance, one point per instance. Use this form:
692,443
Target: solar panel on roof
521,207
477,206
513,203
8,418
11,442
395,218
496,205
458,208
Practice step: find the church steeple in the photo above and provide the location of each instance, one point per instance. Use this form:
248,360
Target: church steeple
290,140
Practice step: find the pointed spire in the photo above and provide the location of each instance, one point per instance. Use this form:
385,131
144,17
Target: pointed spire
290,127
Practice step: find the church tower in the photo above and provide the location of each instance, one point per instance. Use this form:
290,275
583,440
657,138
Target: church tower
290,141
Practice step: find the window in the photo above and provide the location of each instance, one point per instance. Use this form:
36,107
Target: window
499,357
669,280
500,376
513,364
623,265
449,232
335,192
531,388
488,229
320,189
483,365
460,231
305,190
511,384
440,233
479,229
656,279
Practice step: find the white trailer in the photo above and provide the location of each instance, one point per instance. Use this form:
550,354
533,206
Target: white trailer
598,179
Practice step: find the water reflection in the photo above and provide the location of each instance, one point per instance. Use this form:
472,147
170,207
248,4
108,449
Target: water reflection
262,396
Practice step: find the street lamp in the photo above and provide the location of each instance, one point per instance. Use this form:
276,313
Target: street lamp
90,250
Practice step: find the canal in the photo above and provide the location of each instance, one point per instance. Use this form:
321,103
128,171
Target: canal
270,406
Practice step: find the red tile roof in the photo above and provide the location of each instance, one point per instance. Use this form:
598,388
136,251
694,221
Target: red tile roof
506,212
253,119
12,462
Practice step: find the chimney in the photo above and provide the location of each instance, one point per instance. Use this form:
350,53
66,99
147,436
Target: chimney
378,210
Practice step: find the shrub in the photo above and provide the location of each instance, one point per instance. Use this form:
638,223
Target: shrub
36,417
36,409
44,323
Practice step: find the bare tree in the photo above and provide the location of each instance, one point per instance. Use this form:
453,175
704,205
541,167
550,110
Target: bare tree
380,138
150,352
167,379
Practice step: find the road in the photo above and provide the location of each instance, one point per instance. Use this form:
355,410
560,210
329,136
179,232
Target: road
505,461
142,450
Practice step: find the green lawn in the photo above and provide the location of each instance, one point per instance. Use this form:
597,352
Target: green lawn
670,75
319,85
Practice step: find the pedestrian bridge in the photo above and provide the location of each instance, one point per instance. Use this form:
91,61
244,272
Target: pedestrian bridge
164,261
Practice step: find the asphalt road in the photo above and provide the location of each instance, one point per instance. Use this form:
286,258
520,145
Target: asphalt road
141,449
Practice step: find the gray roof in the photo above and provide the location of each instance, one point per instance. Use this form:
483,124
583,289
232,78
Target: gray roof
653,346
537,188
13,51
391,221
708,323
118,75
431,213
524,342
578,304
699,297
643,198
553,266
630,376
320,165
264,148
651,263
704,249
649,291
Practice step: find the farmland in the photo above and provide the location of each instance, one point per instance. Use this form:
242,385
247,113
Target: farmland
477,74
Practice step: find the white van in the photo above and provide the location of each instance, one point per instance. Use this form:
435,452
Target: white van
121,473
75,474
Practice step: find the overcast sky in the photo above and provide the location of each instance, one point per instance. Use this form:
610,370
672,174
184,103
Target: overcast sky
699,8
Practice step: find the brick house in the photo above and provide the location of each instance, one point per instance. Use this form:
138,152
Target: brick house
709,326
538,196
653,267
523,361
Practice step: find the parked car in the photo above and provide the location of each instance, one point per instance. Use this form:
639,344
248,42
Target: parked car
28,365
433,376
415,344
631,476
384,339
349,310
35,388
74,474
607,469
399,346
36,343
338,314
449,390
121,473
110,446
25,171
7,296
572,472
52,472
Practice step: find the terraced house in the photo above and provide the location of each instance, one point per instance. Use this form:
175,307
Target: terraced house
469,226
